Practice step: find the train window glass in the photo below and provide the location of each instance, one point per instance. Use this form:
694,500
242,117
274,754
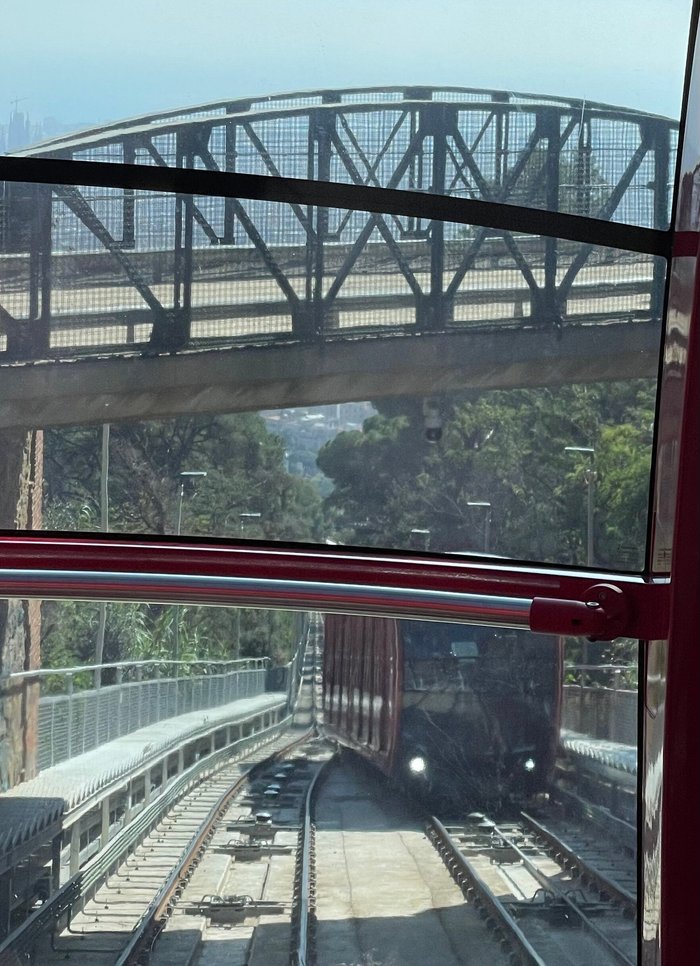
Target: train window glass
480,392
289,372
464,649
541,746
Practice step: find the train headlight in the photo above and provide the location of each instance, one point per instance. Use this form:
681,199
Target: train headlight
417,765
529,764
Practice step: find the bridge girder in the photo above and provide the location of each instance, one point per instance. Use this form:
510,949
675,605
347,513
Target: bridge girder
298,374
509,149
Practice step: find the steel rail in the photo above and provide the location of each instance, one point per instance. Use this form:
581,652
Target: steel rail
546,882
601,817
152,921
80,886
462,870
301,952
601,882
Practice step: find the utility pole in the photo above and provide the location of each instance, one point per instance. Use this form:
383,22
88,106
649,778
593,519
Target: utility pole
104,526
184,477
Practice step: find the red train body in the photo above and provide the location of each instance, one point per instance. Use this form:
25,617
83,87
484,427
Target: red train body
466,714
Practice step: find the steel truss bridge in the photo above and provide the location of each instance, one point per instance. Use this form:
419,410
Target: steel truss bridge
245,254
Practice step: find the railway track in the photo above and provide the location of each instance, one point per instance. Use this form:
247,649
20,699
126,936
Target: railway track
119,904
253,891
232,870
120,922
545,902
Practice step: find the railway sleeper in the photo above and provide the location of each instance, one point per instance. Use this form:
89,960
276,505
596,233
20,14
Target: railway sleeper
554,909
252,851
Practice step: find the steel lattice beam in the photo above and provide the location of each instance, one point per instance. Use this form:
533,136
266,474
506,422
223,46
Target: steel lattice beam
376,203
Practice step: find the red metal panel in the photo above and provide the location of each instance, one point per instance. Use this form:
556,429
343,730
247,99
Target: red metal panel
680,887
143,560
671,701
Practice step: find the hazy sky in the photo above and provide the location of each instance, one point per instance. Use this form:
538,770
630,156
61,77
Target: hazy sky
93,60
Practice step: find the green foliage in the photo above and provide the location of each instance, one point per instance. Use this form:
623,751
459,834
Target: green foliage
245,476
506,448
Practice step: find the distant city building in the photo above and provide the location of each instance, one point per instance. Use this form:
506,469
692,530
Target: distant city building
20,131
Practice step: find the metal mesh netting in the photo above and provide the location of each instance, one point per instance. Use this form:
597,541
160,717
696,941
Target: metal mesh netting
72,724
125,265
602,713
515,149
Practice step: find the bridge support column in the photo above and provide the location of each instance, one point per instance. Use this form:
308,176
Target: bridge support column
104,826
74,866
128,798
21,476
5,903
55,864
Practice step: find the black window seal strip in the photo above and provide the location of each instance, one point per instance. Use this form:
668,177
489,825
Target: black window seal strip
325,194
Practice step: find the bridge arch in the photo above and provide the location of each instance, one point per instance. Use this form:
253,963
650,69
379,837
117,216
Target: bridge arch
107,268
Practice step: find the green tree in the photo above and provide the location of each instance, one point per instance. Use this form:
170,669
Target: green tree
246,474
506,448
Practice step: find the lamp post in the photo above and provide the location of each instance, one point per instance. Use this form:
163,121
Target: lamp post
104,525
186,475
487,520
244,517
590,478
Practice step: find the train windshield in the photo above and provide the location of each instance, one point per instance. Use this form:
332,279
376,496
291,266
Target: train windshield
325,327
460,656
317,363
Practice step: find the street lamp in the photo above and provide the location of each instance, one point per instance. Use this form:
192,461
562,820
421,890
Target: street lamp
487,520
590,478
185,475
244,517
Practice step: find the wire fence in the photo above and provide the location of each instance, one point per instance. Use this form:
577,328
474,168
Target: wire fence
76,721
602,704
110,268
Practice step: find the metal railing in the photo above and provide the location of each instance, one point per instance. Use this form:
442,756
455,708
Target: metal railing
143,693
603,703
87,881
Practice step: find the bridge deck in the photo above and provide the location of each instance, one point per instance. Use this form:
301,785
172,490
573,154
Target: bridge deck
237,379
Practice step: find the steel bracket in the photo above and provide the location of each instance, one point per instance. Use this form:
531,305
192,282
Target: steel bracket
602,616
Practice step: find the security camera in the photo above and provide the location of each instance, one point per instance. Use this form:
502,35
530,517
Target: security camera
432,420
